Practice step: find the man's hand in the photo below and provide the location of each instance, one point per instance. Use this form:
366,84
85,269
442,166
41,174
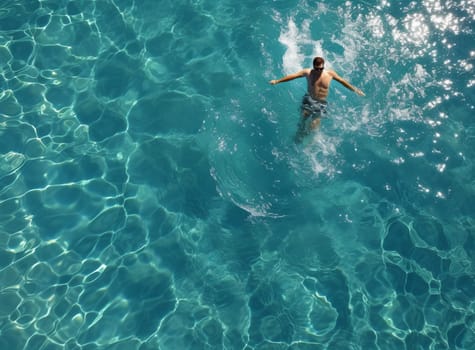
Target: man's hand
359,92
273,82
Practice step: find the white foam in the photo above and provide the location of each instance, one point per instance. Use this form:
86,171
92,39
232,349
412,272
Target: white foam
296,41
321,153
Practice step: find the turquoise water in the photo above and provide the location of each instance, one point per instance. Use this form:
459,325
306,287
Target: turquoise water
152,197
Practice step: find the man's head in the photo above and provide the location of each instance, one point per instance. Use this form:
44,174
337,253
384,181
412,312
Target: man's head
318,63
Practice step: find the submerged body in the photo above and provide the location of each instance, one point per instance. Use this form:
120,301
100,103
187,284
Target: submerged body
314,102
311,110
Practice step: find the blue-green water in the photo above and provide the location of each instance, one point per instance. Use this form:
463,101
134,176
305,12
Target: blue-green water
152,197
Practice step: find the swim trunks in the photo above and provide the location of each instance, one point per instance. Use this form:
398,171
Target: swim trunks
313,108
310,109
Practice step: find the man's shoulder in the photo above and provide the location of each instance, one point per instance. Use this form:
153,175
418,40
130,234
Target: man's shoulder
333,75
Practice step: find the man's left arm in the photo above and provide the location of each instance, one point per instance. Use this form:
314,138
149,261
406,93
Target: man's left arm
346,84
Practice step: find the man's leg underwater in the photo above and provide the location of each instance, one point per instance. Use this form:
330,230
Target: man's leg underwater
315,124
308,123
310,117
301,130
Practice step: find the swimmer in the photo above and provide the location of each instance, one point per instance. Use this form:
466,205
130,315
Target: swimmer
314,102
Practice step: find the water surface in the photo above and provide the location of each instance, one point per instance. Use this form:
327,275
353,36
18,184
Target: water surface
151,195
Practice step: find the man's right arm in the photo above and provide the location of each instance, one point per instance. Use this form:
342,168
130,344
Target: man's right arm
289,77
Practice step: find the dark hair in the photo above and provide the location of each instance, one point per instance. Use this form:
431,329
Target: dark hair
317,61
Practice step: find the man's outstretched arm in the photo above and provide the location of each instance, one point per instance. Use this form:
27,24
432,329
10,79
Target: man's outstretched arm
346,84
289,77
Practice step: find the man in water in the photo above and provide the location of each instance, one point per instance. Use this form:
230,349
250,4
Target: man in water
314,102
